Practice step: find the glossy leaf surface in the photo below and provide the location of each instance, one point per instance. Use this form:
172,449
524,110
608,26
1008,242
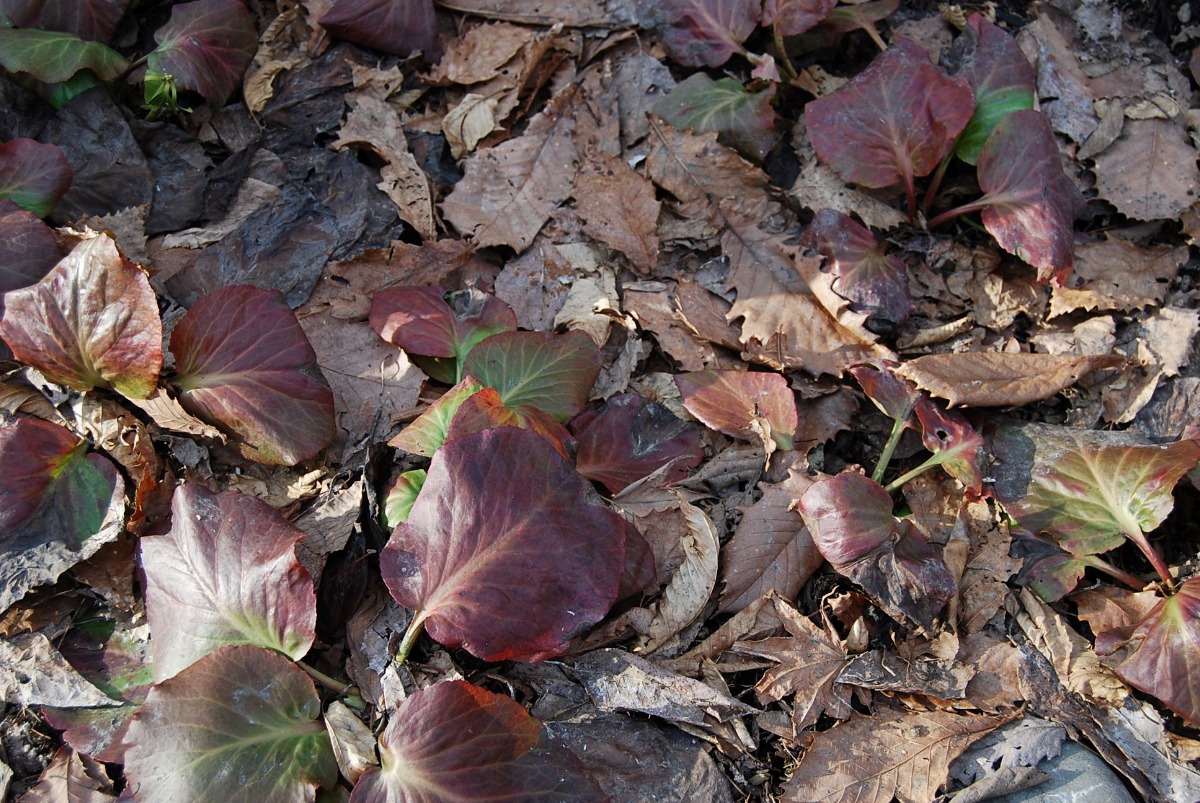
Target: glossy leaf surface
894,395
743,120
630,438
1088,489
1165,662
508,563
1003,80
701,33
55,57
399,27
850,518
743,404
245,365
33,175
422,322
956,446
551,372
485,410
1029,204
874,281
93,20
454,741
28,249
892,122
58,504
226,573
91,322
240,725
206,46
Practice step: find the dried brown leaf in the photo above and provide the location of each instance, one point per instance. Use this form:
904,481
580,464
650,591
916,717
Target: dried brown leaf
1115,274
999,379
685,596
619,209
1150,171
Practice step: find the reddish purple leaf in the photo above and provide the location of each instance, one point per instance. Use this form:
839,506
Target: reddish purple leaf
33,175
485,410
549,371
245,365
956,446
399,27
28,249
456,741
873,281
793,17
420,321
91,322
743,120
58,504
94,20
1030,204
630,438
503,554
894,395
206,46
860,16
640,571
226,573
892,122
742,404
850,518
1003,80
240,724
1165,661
1047,569
701,33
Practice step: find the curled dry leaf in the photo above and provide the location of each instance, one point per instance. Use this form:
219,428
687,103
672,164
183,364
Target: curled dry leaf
685,596
1000,379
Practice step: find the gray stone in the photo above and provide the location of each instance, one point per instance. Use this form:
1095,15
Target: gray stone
1077,775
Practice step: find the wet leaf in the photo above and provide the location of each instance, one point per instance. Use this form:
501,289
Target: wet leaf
1090,490
58,504
701,33
1000,379
794,17
1029,203
244,364
751,405
91,322
875,282
549,371
1166,648
1003,80
743,120
956,446
28,249
630,438
206,46
850,518
241,724
55,57
399,27
33,175
94,20
456,741
508,565
422,322
892,122
226,573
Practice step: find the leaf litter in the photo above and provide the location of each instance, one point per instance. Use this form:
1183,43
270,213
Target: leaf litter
636,371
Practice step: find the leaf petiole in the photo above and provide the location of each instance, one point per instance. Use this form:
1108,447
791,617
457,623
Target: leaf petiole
415,627
889,449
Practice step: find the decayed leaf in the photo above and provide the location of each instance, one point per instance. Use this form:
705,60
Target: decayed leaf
630,438
206,46
1090,490
244,364
58,504
892,122
1150,171
1000,379
33,175
619,209
73,778
510,190
743,120
771,550
891,753
508,564
752,405
226,573
1116,274
91,322
1003,80
701,33
1166,648
551,372
400,28
685,596
32,672
240,724
456,741
956,446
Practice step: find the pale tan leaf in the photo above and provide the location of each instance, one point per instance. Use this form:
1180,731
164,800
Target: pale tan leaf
591,305
510,190
619,209
685,596
571,13
170,415
480,54
1000,379
1073,658
32,672
73,778
889,754
353,743
467,123
1115,274
1150,171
